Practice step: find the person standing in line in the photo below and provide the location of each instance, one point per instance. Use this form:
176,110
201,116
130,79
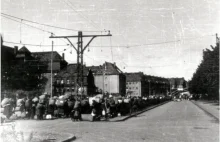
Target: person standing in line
34,105
28,107
77,109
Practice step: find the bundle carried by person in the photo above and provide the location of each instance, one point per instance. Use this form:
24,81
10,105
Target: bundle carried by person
97,99
66,96
19,105
60,101
35,100
52,101
5,102
127,100
20,102
42,98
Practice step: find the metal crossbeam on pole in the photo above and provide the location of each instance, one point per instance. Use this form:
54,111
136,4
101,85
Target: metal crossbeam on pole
80,50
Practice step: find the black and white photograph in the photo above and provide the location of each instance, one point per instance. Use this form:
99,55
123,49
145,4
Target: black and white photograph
109,70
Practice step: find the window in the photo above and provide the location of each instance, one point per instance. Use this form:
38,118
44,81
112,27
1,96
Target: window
58,81
68,82
62,81
136,87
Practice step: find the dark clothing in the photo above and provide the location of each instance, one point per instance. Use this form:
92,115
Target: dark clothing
40,111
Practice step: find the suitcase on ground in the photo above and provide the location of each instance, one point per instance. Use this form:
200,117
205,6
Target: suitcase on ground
87,117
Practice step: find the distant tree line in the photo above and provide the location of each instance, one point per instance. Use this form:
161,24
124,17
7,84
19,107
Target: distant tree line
205,80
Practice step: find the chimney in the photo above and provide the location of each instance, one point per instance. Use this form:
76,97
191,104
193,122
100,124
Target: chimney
114,64
63,56
15,50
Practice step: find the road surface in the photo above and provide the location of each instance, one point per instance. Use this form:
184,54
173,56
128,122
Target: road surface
172,122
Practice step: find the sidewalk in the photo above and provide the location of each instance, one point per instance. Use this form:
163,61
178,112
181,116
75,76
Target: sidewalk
123,118
210,107
11,131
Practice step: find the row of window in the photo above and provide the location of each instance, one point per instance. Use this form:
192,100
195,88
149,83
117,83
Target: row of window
131,87
131,82
64,89
62,82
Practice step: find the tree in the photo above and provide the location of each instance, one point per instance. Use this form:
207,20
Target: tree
25,75
206,78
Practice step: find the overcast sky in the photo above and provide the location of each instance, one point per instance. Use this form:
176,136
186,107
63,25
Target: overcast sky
192,24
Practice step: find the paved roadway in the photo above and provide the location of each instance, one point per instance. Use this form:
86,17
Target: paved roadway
171,122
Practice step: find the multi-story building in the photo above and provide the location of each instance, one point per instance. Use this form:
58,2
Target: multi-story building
157,85
178,84
58,62
138,84
66,81
109,79
135,84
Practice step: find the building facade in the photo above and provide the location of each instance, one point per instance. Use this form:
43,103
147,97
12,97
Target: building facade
135,84
109,79
65,82
178,84
140,85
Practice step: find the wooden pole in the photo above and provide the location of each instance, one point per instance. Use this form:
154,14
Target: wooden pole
52,71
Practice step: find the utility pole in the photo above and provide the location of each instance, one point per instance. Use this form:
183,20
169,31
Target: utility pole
51,69
80,50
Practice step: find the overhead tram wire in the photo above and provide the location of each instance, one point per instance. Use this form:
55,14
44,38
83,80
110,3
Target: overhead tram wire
83,16
31,44
26,24
31,27
156,43
62,28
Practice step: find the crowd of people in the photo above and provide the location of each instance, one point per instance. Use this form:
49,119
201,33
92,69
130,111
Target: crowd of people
44,106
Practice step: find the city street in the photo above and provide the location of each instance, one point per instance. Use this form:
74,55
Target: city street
172,122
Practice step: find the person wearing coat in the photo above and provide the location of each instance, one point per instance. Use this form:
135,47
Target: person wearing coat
77,110
28,107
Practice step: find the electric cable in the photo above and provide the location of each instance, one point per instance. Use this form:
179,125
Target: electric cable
62,28
31,44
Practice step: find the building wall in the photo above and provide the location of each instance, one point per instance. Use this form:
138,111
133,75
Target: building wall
135,88
114,84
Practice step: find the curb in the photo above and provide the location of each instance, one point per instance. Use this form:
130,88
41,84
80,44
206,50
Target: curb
69,139
132,115
208,113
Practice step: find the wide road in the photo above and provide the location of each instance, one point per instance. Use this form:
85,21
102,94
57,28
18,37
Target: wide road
171,122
